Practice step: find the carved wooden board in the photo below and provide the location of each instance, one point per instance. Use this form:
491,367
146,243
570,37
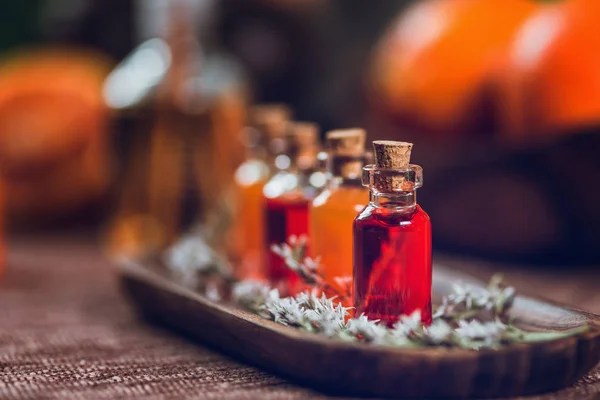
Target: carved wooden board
357,369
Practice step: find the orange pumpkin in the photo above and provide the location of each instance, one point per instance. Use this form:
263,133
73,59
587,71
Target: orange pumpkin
53,124
552,78
434,65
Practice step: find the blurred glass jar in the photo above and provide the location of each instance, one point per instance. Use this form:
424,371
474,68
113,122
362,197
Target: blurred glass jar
2,228
179,113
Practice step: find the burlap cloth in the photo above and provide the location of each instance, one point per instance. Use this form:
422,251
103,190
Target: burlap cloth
67,332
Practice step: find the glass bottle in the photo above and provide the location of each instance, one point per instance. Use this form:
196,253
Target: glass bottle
333,211
288,194
164,116
267,123
2,227
392,240
179,109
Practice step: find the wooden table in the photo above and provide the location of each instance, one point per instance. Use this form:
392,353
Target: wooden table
67,332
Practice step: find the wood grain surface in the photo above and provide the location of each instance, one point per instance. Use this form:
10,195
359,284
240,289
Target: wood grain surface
342,368
66,331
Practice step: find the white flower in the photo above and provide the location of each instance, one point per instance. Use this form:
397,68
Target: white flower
311,264
443,310
370,330
321,313
465,297
298,241
251,293
283,250
287,254
286,311
488,333
212,292
308,300
187,258
273,296
439,332
408,323
327,321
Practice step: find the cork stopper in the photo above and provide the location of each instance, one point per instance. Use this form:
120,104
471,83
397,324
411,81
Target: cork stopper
347,142
306,134
347,152
271,119
392,155
306,143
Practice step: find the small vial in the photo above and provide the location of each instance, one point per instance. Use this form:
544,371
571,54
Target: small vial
392,240
288,194
333,211
267,126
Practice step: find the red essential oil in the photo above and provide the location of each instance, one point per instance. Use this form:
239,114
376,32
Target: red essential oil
392,264
284,218
392,240
287,196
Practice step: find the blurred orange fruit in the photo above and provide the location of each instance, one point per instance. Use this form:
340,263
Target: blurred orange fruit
50,104
433,67
53,130
552,78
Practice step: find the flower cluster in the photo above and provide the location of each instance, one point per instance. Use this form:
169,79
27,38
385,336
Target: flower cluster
319,314
309,269
469,300
471,317
191,262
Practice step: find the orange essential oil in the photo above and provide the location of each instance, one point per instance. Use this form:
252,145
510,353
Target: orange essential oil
333,211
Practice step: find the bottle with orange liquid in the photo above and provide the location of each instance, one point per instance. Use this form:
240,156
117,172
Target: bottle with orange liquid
2,227
267,127
334,210
288,195
392,240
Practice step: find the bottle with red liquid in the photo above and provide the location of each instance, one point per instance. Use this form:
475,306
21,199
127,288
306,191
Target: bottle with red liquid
267,127
392,240
288,194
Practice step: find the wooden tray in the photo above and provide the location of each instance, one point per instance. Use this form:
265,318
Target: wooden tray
342,368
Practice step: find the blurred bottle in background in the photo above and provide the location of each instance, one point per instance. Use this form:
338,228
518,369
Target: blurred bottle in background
263,137
288,194
2,228
179,171
333,211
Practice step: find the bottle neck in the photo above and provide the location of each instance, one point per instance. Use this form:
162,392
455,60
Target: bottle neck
256,153
393,189
395,201
345,170
336,182
279,155
305,159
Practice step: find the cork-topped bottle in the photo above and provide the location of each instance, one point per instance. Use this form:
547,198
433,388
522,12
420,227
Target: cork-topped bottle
392,240
2,228
266,129
288,194
334,210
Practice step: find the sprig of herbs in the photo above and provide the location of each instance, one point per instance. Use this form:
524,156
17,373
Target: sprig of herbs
471,317
310,269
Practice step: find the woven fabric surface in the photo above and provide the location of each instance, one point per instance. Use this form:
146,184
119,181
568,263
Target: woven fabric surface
66,332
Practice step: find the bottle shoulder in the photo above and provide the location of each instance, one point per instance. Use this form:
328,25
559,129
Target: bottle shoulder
349,196
251,172
382,216
290,186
